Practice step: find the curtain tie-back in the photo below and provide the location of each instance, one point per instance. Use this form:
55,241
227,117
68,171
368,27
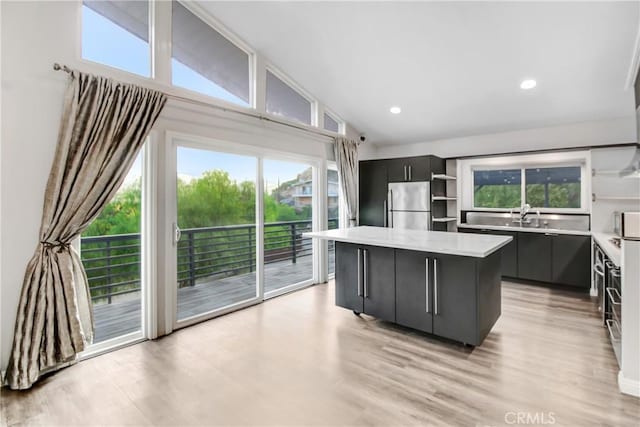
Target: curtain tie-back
50,245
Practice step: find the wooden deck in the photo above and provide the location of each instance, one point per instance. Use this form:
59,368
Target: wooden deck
119,318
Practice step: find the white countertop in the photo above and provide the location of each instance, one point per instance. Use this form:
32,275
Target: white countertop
525,229
442,242
612,251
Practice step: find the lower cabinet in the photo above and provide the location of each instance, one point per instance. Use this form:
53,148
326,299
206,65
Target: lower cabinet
455,296
414,291
450,296
366,277
509,263
561,259
534,257
570,260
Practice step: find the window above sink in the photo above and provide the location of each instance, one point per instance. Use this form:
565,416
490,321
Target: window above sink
548,182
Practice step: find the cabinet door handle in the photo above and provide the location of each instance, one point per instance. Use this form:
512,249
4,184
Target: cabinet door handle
435,286
409,172
359,272
364,273
405,172
384,206
426,284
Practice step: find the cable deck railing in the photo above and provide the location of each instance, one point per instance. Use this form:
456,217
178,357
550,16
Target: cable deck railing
112,263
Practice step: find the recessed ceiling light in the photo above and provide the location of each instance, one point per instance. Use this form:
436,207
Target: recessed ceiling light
528,84
395,110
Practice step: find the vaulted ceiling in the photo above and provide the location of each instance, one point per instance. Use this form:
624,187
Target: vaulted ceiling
454,68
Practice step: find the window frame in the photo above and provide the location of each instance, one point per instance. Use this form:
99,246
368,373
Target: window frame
217,26
160,52
584,185
270,68
341,124
151,29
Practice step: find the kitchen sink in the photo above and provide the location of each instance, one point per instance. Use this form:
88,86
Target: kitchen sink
572,222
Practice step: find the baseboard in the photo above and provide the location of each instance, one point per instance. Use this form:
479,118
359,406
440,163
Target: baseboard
628,386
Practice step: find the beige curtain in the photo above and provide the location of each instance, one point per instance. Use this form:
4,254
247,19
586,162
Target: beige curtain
103,127
346,152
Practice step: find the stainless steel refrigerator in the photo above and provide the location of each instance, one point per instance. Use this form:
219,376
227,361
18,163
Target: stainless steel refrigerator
409,205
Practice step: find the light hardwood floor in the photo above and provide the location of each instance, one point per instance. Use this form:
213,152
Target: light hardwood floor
299,360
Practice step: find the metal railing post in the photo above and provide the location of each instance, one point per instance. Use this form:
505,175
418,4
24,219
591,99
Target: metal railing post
293,242
108,255
250,249
192,266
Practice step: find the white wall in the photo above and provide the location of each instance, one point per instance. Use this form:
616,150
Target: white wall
603,132
34,36
606,184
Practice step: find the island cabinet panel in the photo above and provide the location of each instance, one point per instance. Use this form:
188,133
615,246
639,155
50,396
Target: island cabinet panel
348,287
570,260
414,294
534,257
365,281
455,314
373,192
379,286
452,296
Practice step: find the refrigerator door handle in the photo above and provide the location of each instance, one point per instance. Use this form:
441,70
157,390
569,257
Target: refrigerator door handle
384,206
405,172
409,172
391,208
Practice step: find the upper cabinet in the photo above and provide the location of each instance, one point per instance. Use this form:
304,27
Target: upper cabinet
373,193
409,169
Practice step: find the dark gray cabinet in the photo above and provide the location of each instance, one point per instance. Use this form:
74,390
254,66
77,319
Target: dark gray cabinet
570,260
373,192
378,282
561,259
509,258
348,275
451,296
375,175
409,169
454,298
365,280
414,292
534,257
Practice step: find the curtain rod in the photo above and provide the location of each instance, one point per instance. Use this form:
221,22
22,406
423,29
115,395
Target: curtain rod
58,67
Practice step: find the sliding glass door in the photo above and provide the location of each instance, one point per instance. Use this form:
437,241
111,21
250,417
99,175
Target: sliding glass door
237,229
288,212
216,233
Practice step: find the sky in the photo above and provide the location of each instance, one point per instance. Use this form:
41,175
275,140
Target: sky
106,43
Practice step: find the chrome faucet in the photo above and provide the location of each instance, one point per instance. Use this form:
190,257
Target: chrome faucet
524,211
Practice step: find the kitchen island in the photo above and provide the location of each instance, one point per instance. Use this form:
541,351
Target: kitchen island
446,284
